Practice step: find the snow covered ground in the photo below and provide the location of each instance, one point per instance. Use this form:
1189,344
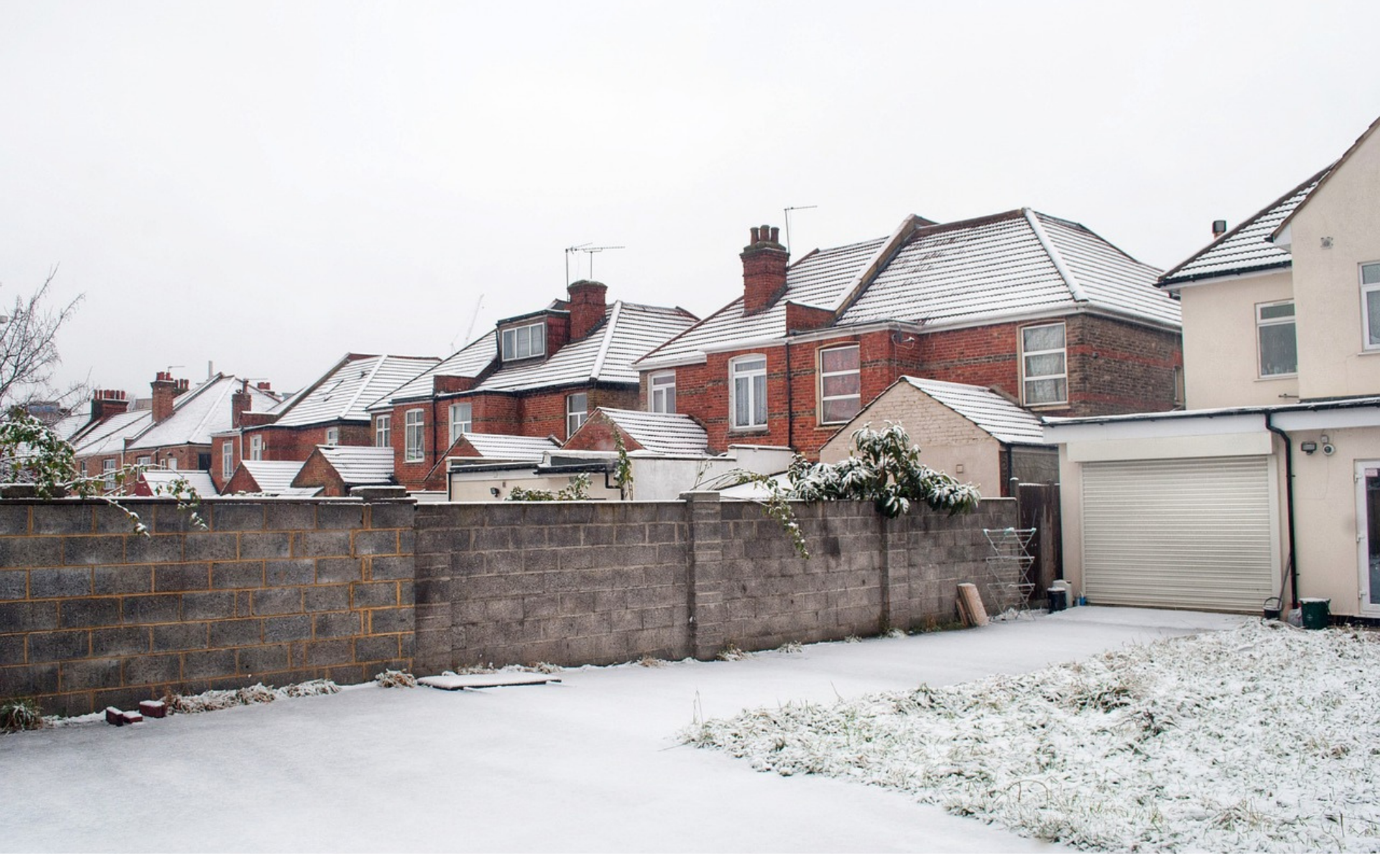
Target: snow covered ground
592,764
1263,738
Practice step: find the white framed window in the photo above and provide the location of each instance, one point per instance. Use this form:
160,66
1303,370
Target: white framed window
1370,304
840,384
661,392
256,448
1277,343
749,391
576,412
1044,365
172,462
227,459
527,340
383,430
332,436
108,468
460,420
414,437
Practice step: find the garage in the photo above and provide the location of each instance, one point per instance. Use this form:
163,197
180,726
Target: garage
1179,533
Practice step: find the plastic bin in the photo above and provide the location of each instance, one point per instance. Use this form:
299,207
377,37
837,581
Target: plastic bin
1316,612
1058,599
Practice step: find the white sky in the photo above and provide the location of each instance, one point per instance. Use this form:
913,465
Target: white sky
269,185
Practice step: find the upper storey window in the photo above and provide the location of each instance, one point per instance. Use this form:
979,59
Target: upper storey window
526,340
1044,369
1370,303
840,384
749,375
1278,347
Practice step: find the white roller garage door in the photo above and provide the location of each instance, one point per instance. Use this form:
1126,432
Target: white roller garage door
1180,533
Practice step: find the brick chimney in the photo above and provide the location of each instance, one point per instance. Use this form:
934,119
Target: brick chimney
107,403
165,391
587,306
764,270
239,403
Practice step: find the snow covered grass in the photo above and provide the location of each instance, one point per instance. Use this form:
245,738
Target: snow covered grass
392,678
220,699
1262,738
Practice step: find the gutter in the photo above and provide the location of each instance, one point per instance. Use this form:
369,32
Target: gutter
1293,569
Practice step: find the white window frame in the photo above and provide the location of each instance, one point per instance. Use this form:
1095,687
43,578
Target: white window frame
739,375
856,371
383,430
414,435
1369,275
256,447
227,459
661,392
511,341
575,415
461,420
1062,352
333,436
108,469
1262,323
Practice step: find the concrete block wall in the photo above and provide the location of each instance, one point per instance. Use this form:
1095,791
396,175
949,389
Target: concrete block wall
274,592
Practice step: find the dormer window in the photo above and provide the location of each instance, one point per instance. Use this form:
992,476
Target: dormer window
526,340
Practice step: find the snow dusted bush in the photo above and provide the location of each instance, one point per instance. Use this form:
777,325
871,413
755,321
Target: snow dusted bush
20,715
1259,739
390,679
220,699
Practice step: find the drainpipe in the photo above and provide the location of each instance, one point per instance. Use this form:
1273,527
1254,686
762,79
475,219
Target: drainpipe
1289,502
790,408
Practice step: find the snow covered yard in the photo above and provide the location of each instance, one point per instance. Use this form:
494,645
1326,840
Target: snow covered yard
1261,738
592,764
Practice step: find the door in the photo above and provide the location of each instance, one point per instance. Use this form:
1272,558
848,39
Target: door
1368,535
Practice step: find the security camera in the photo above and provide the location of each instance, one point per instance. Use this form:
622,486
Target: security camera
1328,449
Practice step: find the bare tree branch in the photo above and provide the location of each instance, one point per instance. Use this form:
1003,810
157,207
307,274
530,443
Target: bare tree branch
28,349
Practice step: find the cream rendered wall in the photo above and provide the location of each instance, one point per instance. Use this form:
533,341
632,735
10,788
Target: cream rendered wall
1221,360
946,440
1327,282
1325,514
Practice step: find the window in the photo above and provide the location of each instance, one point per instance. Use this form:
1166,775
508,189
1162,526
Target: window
840,384
144,460
108,468
332,436
1279,350
256,448
1043,370
524,341
662,396
227,459
576,411
1370,301
749,376
172,462
412,428
459,420
383,430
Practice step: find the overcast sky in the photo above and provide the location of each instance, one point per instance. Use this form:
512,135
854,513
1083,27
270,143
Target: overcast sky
267,186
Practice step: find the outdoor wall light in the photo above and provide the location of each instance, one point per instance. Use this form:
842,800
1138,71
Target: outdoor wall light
494,491
1309,447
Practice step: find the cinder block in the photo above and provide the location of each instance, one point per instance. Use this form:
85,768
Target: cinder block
229,517
180,636
257,546
279,572
321,543
370,542
374,594
181,576
392,515
339,570
236,633
391,568
326,597
337,624
86,613
86,550
294,627
339,516
236,573
211,546
208,605
161,668
290,515
153,549
59,518
120,640
384,620
90,674
262,660
335,652
376,648
14,518
27,551
208,664
64,581
283,600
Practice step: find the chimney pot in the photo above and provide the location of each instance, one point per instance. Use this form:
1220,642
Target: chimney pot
775,232
1219,227
755,236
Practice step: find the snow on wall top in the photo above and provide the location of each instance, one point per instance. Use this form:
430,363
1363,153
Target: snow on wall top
1007,422
1247,247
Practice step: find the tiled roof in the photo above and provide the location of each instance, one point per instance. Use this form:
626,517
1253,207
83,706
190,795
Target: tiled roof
199,480
201,411
984,408
664,434
360,465
605,355
467,362
1019,263
109,436
510,447
272,477
301,492
1247,247
345,392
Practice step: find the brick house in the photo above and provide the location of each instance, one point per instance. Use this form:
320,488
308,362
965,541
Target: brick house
536,375
1031,305
175,432
330,412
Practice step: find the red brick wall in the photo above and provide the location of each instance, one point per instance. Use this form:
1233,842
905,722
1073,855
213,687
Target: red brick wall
1118,368
318,472
240,483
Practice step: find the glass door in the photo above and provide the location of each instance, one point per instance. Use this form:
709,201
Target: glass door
1368,534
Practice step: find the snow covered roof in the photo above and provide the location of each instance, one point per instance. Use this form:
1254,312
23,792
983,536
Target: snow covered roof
510,447
346,391
989,411
664,434
201,411
200,481
272,477
301,492
109,435
1246,248
1019,263
468,362
360,465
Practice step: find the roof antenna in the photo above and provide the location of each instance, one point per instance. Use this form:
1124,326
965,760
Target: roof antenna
787,211
590,248
474,316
